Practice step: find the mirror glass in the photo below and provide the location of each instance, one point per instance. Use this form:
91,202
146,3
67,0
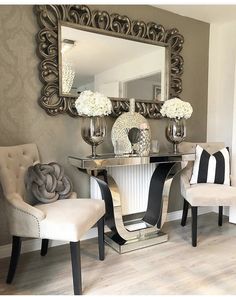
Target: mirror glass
116,67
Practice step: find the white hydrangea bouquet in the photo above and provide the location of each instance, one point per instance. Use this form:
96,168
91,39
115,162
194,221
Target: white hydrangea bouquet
176,109
93,104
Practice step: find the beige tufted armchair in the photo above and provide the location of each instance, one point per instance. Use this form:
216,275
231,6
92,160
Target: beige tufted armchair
203,194
66,220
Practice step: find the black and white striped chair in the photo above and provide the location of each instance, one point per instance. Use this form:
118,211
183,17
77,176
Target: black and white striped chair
206,182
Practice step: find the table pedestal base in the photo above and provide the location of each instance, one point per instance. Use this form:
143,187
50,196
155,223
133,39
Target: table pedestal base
126,236
137,243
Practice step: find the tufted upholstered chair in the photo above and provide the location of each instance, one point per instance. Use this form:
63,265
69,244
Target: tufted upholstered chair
66,220
203,194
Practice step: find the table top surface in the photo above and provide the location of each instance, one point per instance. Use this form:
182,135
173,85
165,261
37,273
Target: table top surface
112,160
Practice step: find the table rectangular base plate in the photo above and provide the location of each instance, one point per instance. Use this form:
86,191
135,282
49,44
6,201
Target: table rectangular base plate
138,243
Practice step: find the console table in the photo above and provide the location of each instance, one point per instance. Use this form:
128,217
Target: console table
124,235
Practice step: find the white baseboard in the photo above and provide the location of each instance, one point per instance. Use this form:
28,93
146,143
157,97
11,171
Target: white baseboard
177,215
225,210
35,244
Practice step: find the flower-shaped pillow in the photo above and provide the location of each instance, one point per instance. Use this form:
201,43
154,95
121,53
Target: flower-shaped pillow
47,182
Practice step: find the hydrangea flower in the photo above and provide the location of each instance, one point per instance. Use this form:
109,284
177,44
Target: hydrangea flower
93,104
176,109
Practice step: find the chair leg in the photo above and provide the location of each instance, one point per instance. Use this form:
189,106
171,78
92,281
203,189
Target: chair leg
220,217
15,254
101,244
185,213
76,267
44,247
194,225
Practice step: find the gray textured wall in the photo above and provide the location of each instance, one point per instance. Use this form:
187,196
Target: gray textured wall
23,121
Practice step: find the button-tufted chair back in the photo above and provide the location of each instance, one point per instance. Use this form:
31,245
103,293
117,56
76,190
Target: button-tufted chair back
14,162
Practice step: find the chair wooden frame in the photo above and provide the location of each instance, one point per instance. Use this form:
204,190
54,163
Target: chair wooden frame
74,251
194,210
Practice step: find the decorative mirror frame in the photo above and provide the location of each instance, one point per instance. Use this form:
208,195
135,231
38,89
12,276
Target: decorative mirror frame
49,16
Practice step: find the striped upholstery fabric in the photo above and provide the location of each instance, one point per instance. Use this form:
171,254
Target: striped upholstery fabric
214,169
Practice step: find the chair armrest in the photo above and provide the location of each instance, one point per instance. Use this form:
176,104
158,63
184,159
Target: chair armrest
17,201
23,219
73,195
184,182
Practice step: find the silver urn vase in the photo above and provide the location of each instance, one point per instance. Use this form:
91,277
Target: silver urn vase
176,132
93,132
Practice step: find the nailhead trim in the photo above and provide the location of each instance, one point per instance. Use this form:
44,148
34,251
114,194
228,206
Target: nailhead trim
20,210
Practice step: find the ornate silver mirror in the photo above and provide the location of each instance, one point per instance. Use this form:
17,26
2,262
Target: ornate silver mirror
82,49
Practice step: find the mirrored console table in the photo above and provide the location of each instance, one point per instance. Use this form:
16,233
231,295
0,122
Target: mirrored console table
128,235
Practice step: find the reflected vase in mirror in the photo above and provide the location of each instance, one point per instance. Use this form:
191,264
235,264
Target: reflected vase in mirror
93,131
176,132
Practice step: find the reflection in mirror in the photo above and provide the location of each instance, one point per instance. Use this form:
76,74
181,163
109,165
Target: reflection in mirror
116,67
148,87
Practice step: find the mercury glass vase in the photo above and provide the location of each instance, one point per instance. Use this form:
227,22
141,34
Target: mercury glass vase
93,132
176,132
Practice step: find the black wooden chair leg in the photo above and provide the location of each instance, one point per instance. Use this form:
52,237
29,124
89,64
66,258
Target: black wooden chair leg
185,213
15,254
220,217
194,225
101,244
44,247
76,267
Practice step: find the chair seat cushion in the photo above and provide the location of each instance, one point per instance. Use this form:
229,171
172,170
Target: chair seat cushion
211,195
70,219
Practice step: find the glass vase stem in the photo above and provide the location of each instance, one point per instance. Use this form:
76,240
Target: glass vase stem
94,154
175,148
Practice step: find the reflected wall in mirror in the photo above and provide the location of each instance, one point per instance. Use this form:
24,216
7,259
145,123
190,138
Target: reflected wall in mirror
119,68
159,80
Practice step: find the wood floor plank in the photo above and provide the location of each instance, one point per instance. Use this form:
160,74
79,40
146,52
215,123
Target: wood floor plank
174,267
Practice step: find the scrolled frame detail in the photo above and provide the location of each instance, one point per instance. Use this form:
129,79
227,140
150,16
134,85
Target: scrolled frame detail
48,17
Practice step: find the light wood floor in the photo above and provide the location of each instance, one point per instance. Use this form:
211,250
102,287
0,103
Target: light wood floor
174,267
